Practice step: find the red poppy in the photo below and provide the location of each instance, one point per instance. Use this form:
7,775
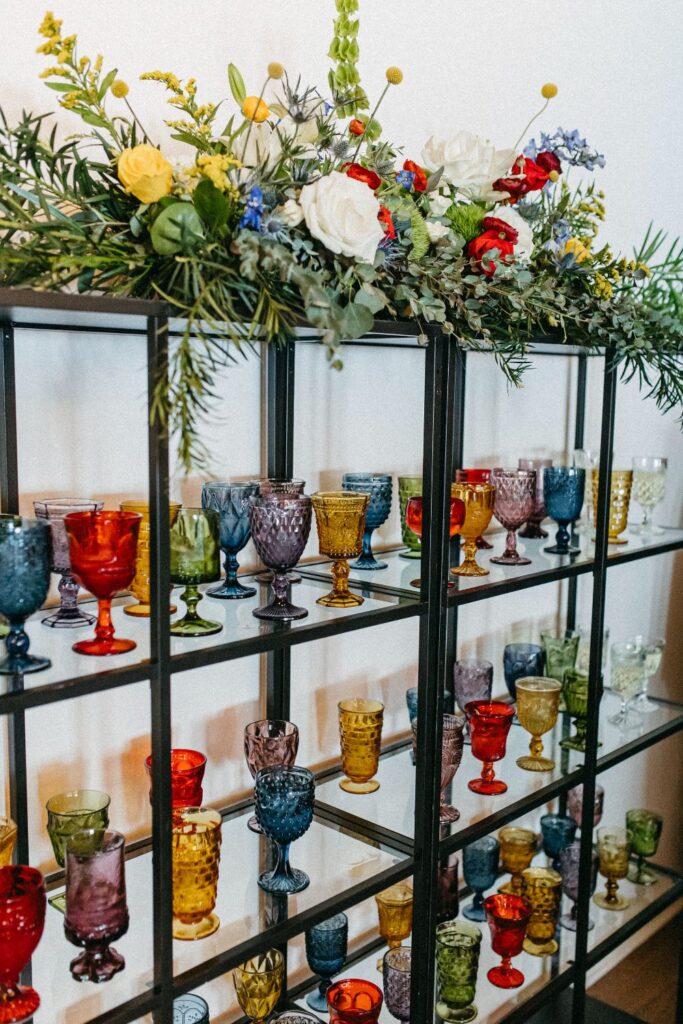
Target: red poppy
420,178
385,218
496,235
530,175
371,178
356,127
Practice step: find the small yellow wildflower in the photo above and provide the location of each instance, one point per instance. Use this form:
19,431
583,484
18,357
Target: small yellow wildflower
549,91
60,72
603,289
577,249
166,77
554,176
644,269
119,88
50,25
191,87
275,69
254,109
215,168
98,62
394,75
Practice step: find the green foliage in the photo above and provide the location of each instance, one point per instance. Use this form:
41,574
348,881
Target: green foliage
466,219
177,229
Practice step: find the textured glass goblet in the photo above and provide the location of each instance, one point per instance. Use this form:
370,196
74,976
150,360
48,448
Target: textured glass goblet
653,649
627,680
538,702
340,518
451,756
284,808
354,1001
326,945
141,584
560,653
396,982
25,555
575,804
569,869
409,487
378,489
458,944
232,503
80,810
280,525
558,831
96,911
614,847
195,852
645,828
194,560
517,850
447,888
533,530
649,484
190,1009
478,499
68,615
586,460
360,734
267,743
575,696
563,487
258,984
414,521
395,912
102,548
8,837
508,917
472,680
22,917
512,506
475,476
542,890
273,488
187,773
522,661
490,723
621,481
480,867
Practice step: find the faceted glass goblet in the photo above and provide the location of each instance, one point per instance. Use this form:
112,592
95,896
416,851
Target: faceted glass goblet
560,653
284,808
522,661
396,982
378,489
360,734
533,530
478,499
512,506
409,487
80,810
517,850
653,649
451,755
621,481
68,615
141,584
649,484
587,460
627,680
490,723
280,525
645,828
187,773
25,558
340,518
538,702
575,804
447,889
232,503
563,487
22,917
508,917
8,837
575,696
258,984
273,488
458,944
542,890
558,831
480,867
475,476
195,853
395,912
354,1001
614,847
194,560
472,680
96,911
569,869
267,743
414,521
326,945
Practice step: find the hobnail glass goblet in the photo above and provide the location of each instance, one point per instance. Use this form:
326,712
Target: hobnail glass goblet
68,615
512,506
575,696
627,680
569,869
478,499
378,489
458,944
284,808
354,1001
472,680
451,756
560,653
649,483
24,580
258,984
414,521
653,649
187,773
80,810
645,828
360,734
409,487
103,546
8,837
542,890
22,917
533,529
396,982
326,945
575,804
395,912
508,917
194,560
480,867
522,661
538,702
587,460
621,481
563,487
614,847
232,503
267,743
96,912
340,518
475,476
558,832
280,525
517,850
490,723
141,583
195,852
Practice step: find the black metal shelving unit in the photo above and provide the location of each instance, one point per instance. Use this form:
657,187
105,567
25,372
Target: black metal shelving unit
416,849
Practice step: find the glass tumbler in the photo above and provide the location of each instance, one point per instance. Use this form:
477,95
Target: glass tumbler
396,983
508,917
480,866
564,488
269,742
490,723
649,484
354,1001
517,850
478,499
458,944
280,525
340,517
258,984
645,828
395,912
284,808
68,615
569,869
141,582
512,506
187,773
614,847
326,946
25,558
22,918
360,733
533,529
232,502
8,837
196,852
378,488
522,661
542,890
409,487
621,481
472,680
76,811
538,702
194,560
190,1009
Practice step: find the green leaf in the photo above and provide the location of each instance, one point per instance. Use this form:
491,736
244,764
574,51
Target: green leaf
236,83
106,82
211,205
93,119
371,297
356,320
63,87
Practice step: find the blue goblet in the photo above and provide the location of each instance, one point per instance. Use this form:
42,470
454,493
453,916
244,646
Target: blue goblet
563,488
480,867
519,661
232,502
284,810
378,487
25,564
558,833
326,945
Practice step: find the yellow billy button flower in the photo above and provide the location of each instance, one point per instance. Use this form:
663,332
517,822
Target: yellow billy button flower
576,248
119,88
548,91
145,173
554,175
394,76
275,69
254,109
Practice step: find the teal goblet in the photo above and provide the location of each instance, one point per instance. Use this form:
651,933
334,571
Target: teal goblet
25,563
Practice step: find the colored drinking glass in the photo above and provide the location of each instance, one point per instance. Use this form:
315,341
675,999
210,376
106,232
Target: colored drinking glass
190,1009
533,530
194,560
542,890
472,680
508,917
68,615
269,742
195,854
141,584
649,485
22,917
480,862
187,772
8,837
475,476
522,661
621,481
274,488
560,653
340,518
378,489
570,859
512,506
614,847
653,649
557,831
458,944
96,912
414,521
645,828
326,945
575,804
627,680
575,696
490,723
284,808
395,912
258,984
563,487
354,1001
478,499
517,850
280,525
232,503
538,702
360,734
586,460
447,889
409,487
396,982
451,755
25,558
79,810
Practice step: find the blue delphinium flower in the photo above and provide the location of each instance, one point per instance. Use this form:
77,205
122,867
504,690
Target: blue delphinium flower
569,146
405,179
251,218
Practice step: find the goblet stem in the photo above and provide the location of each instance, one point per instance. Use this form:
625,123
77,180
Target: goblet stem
280,609
511,555
21,1001
230,587
97,963
104,630
192,624
366,559
475,911
340,596
283,878
562,539
612,887
18,660
469,565
68,614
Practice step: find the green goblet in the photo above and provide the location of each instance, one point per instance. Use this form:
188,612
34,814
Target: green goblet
457,962
76,811
575,694
195,554
560,653
645,828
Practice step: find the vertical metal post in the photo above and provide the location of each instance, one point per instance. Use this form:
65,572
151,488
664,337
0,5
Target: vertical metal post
9,475
458,450
579,432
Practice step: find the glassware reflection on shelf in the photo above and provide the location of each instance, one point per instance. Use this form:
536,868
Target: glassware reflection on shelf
187,773
414,521
490,723
619,498
480,861
575,696
140,586
25,558
269,742
472,680
284,809
22,913
354,1001
522,661
513,504
326,946
280,525
194,560
395,912
76,811
645,828
653,649
475,476
190,1009
378,487
649,485
258,984
196,852
508,917
68,615
627,681
396,978
587,460
517,850
542,890
478,499
409,487
411,702
533,529
458,944
360,734
340,518
614,847
560,653
232,503
8,837
563,487
575,804
538,702
570,859
557,831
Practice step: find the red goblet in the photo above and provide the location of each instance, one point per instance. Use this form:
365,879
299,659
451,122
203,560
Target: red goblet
414,522
102,547
508,917
187,772
490,722
475,476
22,916
354,1001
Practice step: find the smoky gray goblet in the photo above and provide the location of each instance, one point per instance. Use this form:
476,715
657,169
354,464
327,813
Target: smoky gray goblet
280,525
472,680
68,615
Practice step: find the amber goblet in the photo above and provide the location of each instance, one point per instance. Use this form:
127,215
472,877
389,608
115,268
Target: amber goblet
490,722
8,837
478,499
414,521
340,516
360,733
475,476
22,917
508,917
196,851
512,505
621,481
542,890
409,487
140,586
395,911
645,828
614,847
258,984
517,849
538,702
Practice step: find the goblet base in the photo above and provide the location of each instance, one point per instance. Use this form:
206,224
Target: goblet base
469,569
195,627
317,1000
535,764
562,549
509,559
641,875
644,706
18,1003
103,648
473,913
456,1014
347,600
197,929
532,531
294,881
22,664
267,577
284,612
368,562
359,787
448,814
144,611
628,718
541,948
505,977
575,743
98,965
494,787
410,553
69,618
231,591
617,902
616,539
569,922
253,825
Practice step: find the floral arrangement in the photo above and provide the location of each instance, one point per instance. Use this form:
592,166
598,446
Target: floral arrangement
290,206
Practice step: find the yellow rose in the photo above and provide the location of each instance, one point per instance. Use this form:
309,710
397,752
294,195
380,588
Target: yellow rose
145,173
254,109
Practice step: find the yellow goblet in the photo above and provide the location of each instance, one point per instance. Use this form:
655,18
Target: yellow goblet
360,733
196,851
478,499
614,848
258,984
395,910
8,836
619,499
538,701
542,889
340,516
517,849
140,587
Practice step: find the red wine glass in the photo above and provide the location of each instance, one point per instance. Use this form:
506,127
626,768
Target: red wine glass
414,522
22,916
475,476
490,722
354,1001
508,917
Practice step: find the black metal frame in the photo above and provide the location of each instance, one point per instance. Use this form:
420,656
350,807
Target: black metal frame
445,378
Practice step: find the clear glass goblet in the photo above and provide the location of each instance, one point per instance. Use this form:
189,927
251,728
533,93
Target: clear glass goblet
649,485
653,648
627,680
512,506
586,459
378,488
68,615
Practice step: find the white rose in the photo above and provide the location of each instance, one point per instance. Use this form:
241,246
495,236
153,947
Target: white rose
439,203
524,246
436,230
290,213
470,163
341,212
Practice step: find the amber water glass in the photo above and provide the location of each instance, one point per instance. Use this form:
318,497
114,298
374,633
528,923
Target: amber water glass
360,733
542,890
258,984
22,917
458,944
645,828
478,499
68,615
533,529
76,811
269,742
475,476
187,773
614,847
538,702
395,912
621,481
513,504
194,560
409,487
354,1001
8,837
490,723
140,586
196,852
508,917
517,850
340,517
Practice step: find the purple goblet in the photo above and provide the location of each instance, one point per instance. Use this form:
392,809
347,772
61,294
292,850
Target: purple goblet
532,529
280,525
96,911
472,680
575,804
512,505
269,743
569,869
68,615
451,756
278,486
